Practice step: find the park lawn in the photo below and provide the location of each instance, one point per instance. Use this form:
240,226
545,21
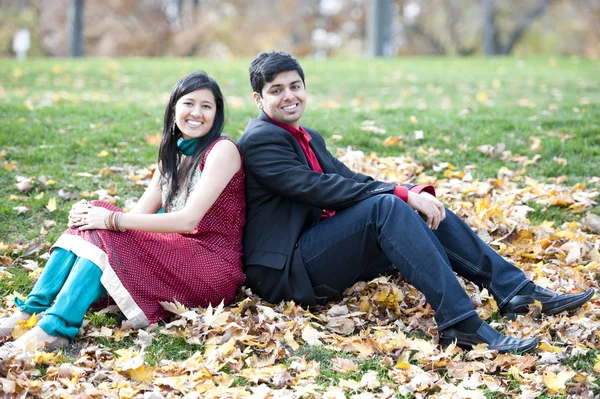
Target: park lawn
89,128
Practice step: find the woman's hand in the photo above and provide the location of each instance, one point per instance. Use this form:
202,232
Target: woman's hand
430,208
87,217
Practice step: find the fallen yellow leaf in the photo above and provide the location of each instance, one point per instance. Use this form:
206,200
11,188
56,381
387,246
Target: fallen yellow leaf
556,382
143,374
23,326
51,204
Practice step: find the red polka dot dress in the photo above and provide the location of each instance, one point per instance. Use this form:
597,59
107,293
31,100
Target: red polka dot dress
140,269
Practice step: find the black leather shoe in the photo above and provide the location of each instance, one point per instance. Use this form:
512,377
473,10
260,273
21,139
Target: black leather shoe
487,335
552,302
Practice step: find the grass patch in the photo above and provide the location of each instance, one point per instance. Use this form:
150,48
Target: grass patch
171,348
83,125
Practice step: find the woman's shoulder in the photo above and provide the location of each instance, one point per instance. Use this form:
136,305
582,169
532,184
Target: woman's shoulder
223,148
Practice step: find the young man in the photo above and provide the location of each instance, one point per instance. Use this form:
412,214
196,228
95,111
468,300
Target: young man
314,227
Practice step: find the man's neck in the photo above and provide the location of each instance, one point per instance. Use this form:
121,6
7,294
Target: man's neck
282,124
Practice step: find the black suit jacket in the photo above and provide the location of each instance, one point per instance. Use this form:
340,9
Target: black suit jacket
285,197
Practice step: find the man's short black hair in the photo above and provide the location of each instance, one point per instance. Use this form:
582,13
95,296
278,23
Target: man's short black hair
266,66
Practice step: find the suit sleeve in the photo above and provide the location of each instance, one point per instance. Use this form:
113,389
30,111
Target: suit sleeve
272,159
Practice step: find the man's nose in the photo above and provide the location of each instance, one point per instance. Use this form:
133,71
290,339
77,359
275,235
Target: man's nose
288,94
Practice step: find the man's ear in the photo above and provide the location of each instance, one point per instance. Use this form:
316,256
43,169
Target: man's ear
258,99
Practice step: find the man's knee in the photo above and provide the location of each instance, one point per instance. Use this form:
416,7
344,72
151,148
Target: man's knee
388,205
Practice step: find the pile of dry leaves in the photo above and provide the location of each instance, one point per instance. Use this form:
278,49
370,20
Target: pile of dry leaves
253,349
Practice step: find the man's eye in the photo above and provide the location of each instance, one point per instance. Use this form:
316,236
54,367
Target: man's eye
276,91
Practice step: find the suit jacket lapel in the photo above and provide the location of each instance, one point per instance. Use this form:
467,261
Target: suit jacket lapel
321,154
263,117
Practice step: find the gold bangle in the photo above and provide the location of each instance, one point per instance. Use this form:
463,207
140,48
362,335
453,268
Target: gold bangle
112,221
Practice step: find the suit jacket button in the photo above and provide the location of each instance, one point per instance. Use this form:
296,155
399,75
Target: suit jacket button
296,245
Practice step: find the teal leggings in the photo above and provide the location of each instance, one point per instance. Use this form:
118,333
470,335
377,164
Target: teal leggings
73,284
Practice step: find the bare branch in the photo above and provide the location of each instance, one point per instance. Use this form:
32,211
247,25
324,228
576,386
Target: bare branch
523,24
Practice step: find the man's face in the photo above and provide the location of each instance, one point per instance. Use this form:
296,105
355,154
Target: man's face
284,99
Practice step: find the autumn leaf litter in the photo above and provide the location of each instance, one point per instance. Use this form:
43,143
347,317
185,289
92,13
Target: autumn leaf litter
260,350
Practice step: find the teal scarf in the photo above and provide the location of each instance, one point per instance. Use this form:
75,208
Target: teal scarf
187,147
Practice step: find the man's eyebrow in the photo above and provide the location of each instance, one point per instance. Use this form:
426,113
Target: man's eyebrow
274,85
281,84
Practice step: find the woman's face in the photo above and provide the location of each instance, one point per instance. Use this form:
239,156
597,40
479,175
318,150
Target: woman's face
195,113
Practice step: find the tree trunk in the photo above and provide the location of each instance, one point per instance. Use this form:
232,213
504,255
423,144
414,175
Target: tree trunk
490,30
523,24
77,7
379,28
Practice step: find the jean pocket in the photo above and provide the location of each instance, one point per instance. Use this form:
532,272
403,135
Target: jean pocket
324,293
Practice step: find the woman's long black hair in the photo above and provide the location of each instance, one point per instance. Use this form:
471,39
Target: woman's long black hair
169,157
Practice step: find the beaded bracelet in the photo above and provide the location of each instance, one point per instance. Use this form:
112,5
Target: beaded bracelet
119,227
112,221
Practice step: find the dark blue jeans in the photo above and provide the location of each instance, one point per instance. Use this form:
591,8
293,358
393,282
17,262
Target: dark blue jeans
365,239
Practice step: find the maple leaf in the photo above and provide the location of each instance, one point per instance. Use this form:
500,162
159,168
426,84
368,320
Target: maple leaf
556,382
216,319
30,264
312,336
173,307
342,365
143,374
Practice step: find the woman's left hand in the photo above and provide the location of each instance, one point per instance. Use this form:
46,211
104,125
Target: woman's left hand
87,217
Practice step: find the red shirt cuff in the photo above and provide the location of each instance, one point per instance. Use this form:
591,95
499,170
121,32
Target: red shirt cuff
401,192
423,187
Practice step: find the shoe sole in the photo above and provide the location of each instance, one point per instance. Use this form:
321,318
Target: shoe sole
527,348
568,306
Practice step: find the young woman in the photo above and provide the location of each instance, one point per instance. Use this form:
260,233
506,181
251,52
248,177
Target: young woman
192,252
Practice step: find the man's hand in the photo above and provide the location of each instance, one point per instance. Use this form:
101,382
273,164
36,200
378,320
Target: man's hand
430,208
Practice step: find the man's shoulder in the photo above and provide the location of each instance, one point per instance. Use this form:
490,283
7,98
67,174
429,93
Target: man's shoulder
261,132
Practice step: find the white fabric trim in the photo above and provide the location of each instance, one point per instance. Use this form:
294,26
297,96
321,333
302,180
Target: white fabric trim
109,279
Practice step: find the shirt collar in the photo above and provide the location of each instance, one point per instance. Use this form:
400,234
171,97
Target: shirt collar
300,132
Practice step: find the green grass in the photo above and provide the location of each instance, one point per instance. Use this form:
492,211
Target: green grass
57,115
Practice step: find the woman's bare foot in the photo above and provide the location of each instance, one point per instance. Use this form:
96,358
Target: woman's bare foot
36,338
9,323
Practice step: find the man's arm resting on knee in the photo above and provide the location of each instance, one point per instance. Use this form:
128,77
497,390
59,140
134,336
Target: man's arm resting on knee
278,168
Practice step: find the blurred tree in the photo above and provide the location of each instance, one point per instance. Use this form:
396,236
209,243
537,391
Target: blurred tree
490,30
319,28
77,8
379,26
